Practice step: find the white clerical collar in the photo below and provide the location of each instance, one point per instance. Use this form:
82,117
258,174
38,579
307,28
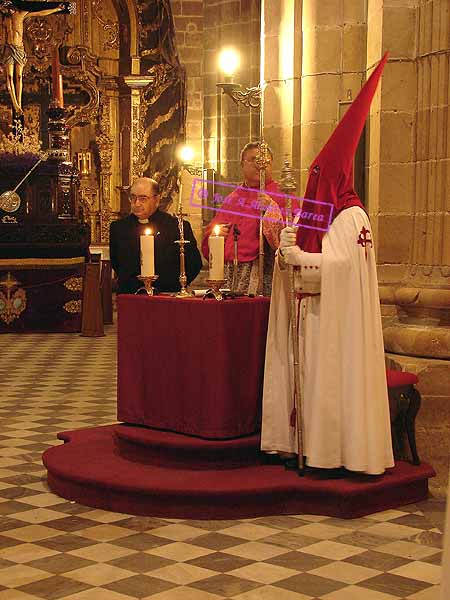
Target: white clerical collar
143,221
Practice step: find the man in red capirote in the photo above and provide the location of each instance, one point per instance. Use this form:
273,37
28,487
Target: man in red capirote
345,410
241,209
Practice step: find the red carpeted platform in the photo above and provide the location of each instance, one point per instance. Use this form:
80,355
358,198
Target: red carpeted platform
142,471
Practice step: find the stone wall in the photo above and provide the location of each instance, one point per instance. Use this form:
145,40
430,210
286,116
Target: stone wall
409,202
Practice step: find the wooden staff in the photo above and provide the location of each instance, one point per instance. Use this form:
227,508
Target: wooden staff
236,234
287,185
262,160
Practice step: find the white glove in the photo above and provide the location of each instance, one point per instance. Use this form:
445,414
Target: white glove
288,237
289,250
292,255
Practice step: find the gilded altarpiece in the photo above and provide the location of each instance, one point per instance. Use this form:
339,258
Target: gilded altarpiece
123,95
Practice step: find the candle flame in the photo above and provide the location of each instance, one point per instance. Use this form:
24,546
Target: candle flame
217,230
148,231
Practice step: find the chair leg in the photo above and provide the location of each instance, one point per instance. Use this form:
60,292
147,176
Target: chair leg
397,424
414,401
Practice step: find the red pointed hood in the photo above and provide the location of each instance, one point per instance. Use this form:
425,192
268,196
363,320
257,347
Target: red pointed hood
331,174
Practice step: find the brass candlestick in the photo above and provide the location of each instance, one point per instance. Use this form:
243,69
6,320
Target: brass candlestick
262,161
183,293
185,154
148,281
214,288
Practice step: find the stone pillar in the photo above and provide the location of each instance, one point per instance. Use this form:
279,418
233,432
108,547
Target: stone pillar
282,73
228,126
409,177
334,52
188,20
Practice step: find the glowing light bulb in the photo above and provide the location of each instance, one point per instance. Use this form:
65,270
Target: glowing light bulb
229,61
185,154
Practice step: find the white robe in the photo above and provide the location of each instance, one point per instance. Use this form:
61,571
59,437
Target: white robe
345,406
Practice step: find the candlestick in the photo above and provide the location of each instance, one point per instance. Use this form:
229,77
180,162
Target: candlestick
183,293
57,83
216,245
214,290
148,254
148,284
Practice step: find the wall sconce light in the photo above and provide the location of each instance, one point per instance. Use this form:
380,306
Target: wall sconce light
185,156
229,61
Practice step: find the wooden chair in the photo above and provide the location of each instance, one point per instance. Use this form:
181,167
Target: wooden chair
404,404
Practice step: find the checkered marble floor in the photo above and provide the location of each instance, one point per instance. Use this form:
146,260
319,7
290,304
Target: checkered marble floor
52,549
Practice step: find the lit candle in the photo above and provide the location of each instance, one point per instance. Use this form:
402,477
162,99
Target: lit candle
216,255
148,254
57,83
84,162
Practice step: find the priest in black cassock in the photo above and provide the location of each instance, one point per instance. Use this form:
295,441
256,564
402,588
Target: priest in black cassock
124,242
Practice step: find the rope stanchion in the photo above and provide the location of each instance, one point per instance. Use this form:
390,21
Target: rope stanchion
92,313
106,292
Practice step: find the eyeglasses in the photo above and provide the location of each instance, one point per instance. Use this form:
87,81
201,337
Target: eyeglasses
253,159
141,199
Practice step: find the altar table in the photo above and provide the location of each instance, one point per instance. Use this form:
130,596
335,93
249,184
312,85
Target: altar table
191,366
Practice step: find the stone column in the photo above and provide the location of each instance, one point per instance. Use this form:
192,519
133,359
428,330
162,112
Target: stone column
282,73
334,51
188,20
409,177
228,126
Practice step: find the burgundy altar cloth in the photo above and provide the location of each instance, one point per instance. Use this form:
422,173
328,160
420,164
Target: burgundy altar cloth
191,366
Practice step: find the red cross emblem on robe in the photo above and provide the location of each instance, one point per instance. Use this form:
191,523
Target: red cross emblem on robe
364,238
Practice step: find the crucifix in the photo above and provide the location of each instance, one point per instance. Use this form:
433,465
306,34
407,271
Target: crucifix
14,14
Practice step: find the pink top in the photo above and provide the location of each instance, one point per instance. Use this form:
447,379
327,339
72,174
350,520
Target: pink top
244,212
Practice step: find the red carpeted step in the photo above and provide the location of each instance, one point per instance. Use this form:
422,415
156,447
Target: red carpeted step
174,450
89,470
